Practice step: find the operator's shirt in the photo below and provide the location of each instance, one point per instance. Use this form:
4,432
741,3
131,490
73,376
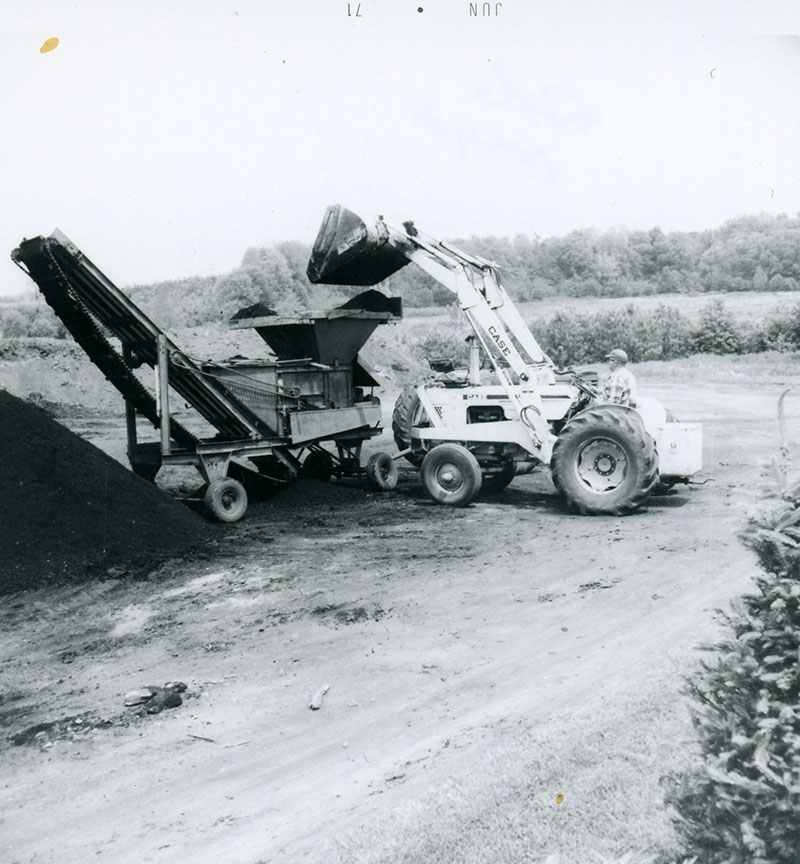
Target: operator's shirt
620,387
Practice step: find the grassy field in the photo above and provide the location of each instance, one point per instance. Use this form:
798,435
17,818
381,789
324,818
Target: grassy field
766,368
753,305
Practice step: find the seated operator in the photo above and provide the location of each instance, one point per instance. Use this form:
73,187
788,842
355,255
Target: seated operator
620,385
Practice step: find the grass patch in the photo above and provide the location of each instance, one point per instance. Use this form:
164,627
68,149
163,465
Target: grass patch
606,761
743,304
768,367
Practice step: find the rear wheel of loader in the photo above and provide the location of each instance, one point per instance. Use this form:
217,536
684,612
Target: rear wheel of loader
226,499
382,473
451,475
605,462
497,482
408,412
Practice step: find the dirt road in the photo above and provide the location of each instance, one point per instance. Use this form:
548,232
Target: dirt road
433,627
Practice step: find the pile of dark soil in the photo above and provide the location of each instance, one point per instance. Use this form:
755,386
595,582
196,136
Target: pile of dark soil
67,510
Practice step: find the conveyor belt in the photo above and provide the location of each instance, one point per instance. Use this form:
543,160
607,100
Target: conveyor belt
81,296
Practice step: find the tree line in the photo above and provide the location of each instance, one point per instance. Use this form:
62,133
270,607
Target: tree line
751,253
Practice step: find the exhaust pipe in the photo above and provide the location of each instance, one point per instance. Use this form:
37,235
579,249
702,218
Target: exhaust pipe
348,252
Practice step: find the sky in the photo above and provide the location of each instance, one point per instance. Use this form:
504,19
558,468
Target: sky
167,138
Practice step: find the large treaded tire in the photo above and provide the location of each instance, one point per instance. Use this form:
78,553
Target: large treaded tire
604,462
406,410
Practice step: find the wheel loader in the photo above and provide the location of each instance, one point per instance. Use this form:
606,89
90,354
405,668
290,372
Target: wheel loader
465,432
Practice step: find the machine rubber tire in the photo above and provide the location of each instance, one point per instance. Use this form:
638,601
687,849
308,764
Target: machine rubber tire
497,482
604,442
451,475
318,465
226,499
382,473
407,410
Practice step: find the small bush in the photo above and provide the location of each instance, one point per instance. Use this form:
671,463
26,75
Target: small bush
781,331
740,805
447,344
717,332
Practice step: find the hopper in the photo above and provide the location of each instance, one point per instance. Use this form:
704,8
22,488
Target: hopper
321,338
333,338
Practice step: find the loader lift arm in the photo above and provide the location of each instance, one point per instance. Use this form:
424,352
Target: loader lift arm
348,251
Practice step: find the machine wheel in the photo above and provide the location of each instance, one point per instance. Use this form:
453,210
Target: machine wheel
381,472
407,412
226,499
451,475
605,462
497,482
318,465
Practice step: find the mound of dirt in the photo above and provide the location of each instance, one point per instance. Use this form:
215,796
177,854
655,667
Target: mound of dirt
68,510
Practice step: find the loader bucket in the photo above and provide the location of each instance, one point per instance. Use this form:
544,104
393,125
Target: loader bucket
348,252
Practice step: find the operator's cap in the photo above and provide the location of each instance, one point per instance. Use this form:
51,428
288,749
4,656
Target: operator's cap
617,354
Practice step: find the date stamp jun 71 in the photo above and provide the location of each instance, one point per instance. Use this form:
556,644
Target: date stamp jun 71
473,10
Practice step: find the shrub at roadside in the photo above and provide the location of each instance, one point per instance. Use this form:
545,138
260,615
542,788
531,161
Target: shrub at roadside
740,805
717,332
661,334
781,331
664,333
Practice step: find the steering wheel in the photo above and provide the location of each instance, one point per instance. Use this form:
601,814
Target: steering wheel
584,386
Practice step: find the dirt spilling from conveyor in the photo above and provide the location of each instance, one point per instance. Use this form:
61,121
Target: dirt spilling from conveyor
67,510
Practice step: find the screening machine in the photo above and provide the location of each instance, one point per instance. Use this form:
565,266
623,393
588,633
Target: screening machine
270,415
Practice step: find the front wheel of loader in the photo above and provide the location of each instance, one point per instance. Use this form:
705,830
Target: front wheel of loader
451,475
226,499
604,462
407,412
382,473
